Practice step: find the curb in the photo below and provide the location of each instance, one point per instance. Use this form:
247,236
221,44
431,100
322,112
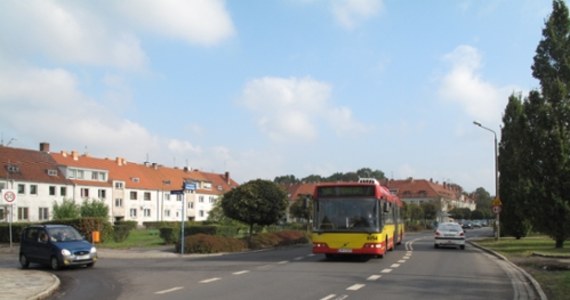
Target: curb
49,291
535,285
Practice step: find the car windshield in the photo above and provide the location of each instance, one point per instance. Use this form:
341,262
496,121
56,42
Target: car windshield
64,234
346,214
449,227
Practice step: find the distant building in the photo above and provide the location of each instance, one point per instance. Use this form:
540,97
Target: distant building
445,196
298,192
134,192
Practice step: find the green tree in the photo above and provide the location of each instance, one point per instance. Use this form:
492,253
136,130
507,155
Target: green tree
430,211
94,208
68,209
287,179
548,115
257,202
302,209
513,182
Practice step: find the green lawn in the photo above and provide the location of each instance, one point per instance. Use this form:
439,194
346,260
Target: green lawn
552,271
138,238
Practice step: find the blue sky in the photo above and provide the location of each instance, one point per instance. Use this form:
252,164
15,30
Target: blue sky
269,88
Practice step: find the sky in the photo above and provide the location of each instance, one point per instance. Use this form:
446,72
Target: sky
270,88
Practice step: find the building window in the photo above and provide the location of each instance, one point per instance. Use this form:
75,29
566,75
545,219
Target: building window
119,185
212,199
102,194
43,213
71,173
52,172
33,189
84,193
80,174
201,213
63,191
190,204
146,212
207,185
133,213
146,196
21,189
179,197
133,195
52,190
119,202
167,196
23,213
201,199
167,213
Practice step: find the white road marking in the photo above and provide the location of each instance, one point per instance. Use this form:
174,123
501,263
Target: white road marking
328,297
386,271
169,290
298,258
283,262
311,254
241,272
355,287
210,280
373,277
402,261
394,266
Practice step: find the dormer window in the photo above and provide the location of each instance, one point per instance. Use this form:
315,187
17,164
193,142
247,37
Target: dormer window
136,179
52,172
13,168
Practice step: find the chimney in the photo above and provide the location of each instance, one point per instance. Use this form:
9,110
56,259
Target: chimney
119,161
185,169
44,147
227,177
74,155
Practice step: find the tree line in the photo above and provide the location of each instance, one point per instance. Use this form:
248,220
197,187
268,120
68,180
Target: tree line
534,152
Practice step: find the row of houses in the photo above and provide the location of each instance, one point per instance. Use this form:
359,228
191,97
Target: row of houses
444,196
132,191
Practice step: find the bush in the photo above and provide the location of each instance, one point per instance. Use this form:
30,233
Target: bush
169,234
203,243
278,239
121,232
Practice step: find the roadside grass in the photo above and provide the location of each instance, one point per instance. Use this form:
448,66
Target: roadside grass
537,255
138,238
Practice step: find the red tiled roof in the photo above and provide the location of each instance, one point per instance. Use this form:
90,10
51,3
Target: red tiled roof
29,165
299,189
421,188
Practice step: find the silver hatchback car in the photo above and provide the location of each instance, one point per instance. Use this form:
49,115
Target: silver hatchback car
449,234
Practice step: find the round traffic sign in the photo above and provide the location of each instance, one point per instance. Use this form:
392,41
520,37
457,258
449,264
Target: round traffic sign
9,196
496,209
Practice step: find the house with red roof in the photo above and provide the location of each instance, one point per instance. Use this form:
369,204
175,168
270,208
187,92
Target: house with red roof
140,192
445,196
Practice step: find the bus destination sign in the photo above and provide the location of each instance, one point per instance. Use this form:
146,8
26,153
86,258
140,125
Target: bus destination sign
346,191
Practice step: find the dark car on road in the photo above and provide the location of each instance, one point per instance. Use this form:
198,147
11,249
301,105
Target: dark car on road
55,245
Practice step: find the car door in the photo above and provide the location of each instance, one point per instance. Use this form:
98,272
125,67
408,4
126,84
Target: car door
43,246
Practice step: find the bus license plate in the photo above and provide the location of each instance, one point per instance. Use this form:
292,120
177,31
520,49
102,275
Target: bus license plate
344,250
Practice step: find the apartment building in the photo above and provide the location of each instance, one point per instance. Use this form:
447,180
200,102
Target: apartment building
132,191
444,196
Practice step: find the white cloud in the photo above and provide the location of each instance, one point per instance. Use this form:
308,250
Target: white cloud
349,13
66,32
463,85
291,108
205,22
184,147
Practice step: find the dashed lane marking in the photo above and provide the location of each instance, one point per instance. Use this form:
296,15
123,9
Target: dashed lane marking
373,277
298,258
210,280
241,272
169,290
401,261
393,266
386,271
282,262
355,287
328,297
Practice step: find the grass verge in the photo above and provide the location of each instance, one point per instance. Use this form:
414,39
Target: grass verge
537,255
138,238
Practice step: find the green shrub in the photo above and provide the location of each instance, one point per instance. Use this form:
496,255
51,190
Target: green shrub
278,239
121,232
203,243
169,234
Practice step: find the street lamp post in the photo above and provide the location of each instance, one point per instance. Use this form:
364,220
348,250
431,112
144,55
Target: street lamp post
498,233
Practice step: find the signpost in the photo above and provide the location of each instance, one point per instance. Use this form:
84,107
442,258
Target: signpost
9,196
497,207
186,186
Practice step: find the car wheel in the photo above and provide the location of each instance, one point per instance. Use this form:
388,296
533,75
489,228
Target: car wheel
54,263
436,246
24,262
462,247
90,265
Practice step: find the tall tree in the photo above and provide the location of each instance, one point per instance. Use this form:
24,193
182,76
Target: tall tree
68,209
513,182
257,202
548,115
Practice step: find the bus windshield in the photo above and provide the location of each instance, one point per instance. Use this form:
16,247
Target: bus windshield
346,214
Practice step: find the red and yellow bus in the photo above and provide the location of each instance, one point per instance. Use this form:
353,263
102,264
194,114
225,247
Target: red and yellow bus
356,218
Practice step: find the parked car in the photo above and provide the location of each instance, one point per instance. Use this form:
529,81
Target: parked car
467,225
449,234
55,245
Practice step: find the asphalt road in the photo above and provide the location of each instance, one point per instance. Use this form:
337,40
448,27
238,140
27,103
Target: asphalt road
414,270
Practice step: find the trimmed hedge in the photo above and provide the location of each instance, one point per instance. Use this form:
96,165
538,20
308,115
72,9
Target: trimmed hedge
204,243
